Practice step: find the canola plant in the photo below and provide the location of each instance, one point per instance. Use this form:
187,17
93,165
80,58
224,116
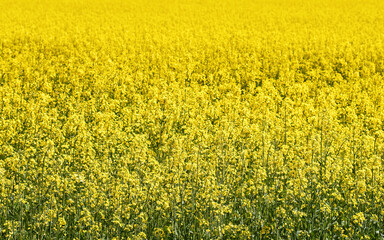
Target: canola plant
176,119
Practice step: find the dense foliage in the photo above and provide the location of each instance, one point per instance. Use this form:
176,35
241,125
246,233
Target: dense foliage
191,119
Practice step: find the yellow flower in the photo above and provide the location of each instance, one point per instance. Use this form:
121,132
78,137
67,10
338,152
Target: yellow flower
358,218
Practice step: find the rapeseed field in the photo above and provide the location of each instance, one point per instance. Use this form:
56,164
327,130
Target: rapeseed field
189,119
